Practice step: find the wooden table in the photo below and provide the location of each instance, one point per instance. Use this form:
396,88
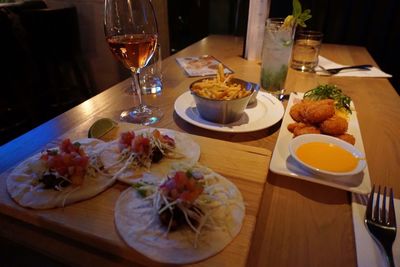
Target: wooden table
299,223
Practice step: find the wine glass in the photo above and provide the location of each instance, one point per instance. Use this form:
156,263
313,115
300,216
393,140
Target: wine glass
131,31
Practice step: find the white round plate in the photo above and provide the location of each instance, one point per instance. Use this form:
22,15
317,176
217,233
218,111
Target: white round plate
266,112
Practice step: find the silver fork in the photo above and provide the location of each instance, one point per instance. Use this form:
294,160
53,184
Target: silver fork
381,223
337,70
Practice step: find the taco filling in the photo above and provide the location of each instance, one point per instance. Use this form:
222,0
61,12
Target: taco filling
143,149
193,212
62,175
176,200
66,165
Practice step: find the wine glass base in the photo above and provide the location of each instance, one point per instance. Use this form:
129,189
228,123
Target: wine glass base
143,114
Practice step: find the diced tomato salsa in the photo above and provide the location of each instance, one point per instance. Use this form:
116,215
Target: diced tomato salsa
183,186
69,161
141,144
164,138
125,140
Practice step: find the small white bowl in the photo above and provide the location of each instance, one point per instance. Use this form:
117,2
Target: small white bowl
308,138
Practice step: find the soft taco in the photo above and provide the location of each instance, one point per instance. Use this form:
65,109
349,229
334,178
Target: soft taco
189,216
62,175
150,150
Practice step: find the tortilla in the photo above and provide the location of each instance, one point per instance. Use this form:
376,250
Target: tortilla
26,194
185,146
137,223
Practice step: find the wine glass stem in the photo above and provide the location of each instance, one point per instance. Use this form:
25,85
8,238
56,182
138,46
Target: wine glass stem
136,86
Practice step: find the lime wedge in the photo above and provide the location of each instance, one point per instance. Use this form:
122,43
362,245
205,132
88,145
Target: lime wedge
101,127
289,21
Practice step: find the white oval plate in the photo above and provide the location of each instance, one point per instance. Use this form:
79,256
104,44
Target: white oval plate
266,112
307,138
282,163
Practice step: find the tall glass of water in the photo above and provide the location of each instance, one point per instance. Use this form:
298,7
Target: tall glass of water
306,50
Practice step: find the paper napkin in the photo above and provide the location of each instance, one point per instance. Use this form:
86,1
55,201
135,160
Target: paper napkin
369,253
205,65
328,64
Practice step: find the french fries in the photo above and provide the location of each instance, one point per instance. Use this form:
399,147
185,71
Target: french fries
219,88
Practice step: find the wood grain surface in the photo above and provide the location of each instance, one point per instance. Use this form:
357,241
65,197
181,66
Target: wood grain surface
299,223
91,223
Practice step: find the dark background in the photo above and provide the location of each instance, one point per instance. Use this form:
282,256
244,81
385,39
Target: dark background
192,20
43,71
42,68
374,24
39,80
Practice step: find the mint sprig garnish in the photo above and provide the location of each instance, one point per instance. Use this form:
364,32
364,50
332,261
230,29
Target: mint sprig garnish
330,91
300,16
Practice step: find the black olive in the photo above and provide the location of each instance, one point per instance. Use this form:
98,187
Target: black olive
157,155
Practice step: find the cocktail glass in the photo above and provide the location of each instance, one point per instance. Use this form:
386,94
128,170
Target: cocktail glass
276,52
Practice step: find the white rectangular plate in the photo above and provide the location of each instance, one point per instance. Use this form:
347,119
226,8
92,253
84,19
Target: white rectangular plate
282,163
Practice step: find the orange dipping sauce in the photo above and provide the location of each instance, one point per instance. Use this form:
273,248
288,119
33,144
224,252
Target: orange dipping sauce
327,157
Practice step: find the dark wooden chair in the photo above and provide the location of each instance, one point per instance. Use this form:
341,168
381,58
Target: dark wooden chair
42,68
17,70
63,79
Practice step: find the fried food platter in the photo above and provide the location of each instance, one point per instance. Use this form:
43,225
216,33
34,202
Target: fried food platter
282,163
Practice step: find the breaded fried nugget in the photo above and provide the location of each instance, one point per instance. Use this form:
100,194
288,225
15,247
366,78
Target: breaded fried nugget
306,130
295,125
318,111
334,126
296,111
326,102
347,137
